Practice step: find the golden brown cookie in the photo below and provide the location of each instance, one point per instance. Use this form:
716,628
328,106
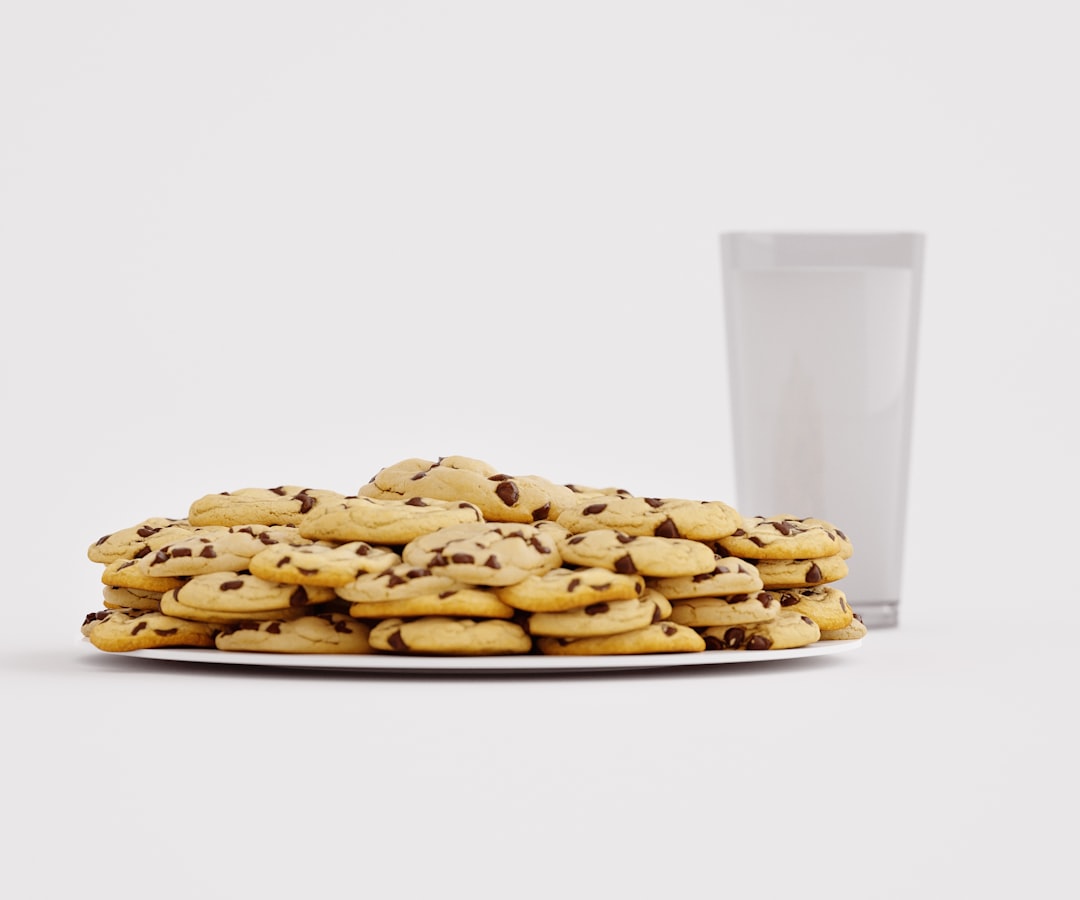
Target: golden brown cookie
128,543
601,618
734,609
700,520
125,573
219,549
171,606
448,636
321,633
322,564
397,583
853,631
385,521
781,574
130,598
570,588
487,553
825,604
242,592
783,537
123,630
629,554
501,497
460,602
660,637
788,630
282,505
730,575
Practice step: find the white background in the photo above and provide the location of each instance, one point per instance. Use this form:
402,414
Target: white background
253,243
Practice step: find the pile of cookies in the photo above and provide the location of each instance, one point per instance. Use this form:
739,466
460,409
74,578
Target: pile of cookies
453,557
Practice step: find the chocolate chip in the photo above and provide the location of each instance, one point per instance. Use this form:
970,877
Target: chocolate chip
298,597
734,637
492,563
667,529
758,642
595,609
231,585
396,641
463,558
138,628
207,552
813,574
165,632
507,491
541,512
594,509
573,585
668,629
654,502
274,628
624,538
415,501
625,565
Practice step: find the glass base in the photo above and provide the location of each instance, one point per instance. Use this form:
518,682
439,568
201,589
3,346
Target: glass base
878,613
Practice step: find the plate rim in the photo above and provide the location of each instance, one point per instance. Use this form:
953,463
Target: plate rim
477,665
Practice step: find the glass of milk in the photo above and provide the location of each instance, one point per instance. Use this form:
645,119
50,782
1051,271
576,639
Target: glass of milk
821,334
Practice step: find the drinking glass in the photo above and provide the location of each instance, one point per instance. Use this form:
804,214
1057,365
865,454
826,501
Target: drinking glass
822,332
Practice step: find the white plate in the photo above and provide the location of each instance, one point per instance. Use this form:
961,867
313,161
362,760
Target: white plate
494,665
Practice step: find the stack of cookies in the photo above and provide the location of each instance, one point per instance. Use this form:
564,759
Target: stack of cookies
453,557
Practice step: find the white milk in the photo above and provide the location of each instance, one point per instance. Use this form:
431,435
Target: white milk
822,369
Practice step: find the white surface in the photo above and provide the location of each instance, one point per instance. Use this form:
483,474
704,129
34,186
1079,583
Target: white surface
934,754
254,243
493,665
